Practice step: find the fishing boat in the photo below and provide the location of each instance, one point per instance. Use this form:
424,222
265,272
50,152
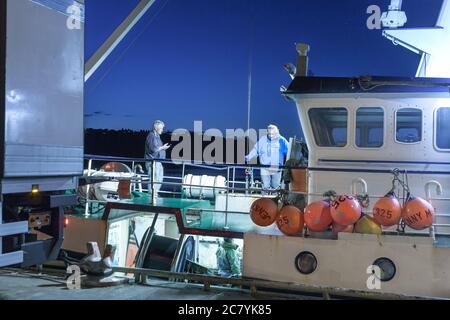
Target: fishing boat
367,138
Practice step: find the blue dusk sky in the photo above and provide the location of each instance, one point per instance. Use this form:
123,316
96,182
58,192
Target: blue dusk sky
189,60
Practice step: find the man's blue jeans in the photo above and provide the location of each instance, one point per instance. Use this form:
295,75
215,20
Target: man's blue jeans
159,175
271,181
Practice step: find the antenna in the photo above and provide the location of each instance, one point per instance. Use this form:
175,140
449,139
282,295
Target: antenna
250,80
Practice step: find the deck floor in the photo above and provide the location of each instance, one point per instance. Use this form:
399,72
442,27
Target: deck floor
19,285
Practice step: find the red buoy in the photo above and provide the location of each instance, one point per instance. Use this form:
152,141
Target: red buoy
345,210
264,212
290,221
387,211
418,213
318,216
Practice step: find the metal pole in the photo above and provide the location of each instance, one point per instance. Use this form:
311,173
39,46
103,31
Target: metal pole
133,168
182,178
152,181
86,209
226,199
247,184
1,222
234,176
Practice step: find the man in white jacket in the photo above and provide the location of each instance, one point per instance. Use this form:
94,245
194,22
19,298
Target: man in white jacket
272,151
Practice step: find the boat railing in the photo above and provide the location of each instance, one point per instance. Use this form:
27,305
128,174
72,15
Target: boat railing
249,187
234,185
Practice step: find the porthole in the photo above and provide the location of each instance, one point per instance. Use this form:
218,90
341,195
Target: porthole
387,267
306,262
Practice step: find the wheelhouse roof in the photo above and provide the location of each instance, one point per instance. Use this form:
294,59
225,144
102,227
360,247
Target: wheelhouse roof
321,85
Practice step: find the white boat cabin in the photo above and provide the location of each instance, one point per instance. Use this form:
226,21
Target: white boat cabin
363,128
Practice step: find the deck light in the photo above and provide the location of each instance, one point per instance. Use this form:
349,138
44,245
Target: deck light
35,188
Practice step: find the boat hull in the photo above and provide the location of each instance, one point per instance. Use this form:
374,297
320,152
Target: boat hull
421,268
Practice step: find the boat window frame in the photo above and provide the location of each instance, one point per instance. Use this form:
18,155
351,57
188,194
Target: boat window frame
348,143
395,126
435,123
384,127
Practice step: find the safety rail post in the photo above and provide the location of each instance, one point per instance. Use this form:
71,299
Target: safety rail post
133,170
86,209
1,222
429,199
227,191
183,171
152,182
234,175
360,181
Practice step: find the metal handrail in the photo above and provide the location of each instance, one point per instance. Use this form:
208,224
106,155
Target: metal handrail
193,163
231,184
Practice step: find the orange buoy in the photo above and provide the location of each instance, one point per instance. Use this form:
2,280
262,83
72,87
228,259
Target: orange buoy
418,213
387,211
337,228
318,216
264,212
345,210
290,221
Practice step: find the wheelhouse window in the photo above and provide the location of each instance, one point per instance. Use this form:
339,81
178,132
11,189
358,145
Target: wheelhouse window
443,128
369,127
409,125
329,126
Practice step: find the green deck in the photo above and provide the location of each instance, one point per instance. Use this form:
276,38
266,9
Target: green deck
141,199
196,214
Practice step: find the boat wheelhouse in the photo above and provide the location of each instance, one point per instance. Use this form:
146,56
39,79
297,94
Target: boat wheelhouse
364,128
368,131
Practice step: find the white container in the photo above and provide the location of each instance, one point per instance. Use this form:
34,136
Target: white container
205,187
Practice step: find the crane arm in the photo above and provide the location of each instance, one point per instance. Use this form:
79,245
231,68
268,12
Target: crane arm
116,37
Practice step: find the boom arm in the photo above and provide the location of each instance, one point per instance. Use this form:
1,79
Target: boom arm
116,37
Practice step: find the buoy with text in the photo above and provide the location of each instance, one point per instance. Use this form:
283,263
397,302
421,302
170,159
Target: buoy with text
387,211
345,210
290,221
264,212
417,213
